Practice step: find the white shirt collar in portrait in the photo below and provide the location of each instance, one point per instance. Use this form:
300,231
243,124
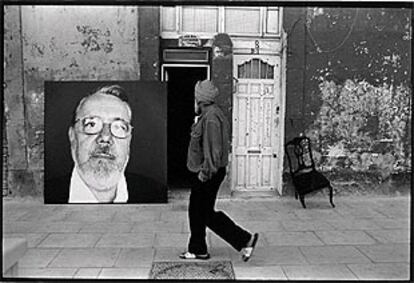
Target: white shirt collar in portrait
80,193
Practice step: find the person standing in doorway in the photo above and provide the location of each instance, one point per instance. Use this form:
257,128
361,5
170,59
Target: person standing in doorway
207,159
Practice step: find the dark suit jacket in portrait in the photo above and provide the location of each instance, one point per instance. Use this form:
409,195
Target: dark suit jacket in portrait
140,190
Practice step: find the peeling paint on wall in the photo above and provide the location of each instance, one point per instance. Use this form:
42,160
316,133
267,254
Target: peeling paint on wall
72,43
360,43
366,127
95,39
349,89
59,43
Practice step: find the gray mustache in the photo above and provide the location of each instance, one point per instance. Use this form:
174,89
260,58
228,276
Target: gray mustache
103,152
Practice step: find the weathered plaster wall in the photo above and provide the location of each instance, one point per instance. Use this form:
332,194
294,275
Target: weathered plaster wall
57,43
354,96
149,42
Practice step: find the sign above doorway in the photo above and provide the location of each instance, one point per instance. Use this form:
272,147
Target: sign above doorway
189,40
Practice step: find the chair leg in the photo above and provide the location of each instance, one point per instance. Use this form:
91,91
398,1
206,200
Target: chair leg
302,200
331,196
296,195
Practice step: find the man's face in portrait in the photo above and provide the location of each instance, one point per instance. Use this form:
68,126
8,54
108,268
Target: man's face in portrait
100,140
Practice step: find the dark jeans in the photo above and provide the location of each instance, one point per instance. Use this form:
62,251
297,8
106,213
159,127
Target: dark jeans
202,214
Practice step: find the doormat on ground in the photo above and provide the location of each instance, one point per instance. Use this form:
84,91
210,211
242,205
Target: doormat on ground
192,270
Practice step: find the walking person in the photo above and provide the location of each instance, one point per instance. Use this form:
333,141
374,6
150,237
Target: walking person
207,159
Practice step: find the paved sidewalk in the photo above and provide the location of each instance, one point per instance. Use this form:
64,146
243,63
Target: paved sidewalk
365,238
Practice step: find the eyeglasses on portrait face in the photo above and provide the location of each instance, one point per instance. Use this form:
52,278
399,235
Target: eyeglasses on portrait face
93,125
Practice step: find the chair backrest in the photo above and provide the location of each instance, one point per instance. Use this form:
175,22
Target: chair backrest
299,154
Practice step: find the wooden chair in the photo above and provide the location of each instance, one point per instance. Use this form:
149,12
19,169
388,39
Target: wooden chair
305,177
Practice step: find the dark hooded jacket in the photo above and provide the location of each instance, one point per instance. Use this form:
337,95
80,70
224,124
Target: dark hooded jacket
209,144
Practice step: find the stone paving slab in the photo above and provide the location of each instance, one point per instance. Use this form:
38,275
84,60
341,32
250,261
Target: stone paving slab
19,226
35,258
261,226
292,239
126,240
168,253
361,212
353,224
159,226
333,254
96,257
136,215
57,273
33,239
178,216
46,214
387,253
263,215
171,239
393,223
321,272
215,241
390,236
124,273
259,273
392,209
397,212
87,273
346,237
271,256
381,271
221,253
70,240
285,215
305,225
91,216
104,227
58,227
135,257
94,212
13,215
317,214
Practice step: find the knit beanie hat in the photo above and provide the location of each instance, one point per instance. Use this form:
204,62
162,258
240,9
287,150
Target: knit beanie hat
205,91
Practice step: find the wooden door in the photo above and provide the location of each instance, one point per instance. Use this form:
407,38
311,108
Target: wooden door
256,142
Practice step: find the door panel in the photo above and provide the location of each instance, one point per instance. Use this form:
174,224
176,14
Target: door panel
256,144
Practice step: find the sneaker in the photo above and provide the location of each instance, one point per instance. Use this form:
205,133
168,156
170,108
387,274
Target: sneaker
247,252
188,255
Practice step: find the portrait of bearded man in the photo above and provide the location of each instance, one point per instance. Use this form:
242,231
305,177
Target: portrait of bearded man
100,139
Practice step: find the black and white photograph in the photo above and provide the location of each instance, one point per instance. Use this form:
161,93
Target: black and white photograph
232,140
89,162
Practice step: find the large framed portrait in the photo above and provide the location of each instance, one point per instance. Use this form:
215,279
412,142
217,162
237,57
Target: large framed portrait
128,147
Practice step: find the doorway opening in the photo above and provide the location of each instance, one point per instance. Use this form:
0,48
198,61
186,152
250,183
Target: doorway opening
180,116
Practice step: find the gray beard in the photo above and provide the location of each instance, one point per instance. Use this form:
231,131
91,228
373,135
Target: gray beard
101,174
